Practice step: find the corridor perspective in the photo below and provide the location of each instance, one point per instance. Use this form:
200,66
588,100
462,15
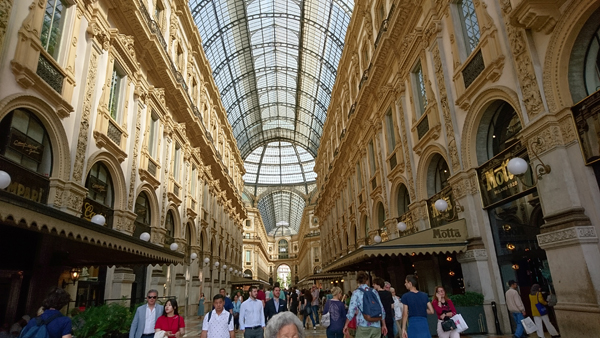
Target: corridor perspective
189,146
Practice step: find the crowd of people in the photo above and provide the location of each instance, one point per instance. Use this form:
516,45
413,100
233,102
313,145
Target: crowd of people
370,311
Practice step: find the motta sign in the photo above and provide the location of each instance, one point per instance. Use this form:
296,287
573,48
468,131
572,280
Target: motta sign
452,233
497,184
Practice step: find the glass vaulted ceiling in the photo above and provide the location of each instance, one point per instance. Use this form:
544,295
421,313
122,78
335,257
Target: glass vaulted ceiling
275,63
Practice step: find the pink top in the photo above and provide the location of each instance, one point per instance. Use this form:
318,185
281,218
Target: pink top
443,307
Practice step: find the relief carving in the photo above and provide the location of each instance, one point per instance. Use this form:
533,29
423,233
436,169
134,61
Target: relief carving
85,119
133,176
531,92
5,9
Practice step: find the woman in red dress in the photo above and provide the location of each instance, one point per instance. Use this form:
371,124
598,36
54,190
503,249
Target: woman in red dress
170,321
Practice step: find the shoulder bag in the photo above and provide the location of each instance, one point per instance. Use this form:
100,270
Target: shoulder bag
540,307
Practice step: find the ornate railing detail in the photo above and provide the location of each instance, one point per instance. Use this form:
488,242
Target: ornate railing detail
423,127
50,74
473,69
114,133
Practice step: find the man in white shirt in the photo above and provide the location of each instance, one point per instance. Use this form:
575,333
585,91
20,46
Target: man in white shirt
145,318
252,317
218,323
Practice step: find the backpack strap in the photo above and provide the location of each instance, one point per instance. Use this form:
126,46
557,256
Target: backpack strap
209,315
230,316
39,321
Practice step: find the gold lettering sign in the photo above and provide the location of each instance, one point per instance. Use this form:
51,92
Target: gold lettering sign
29,193
88,211
26,147
499,176
99,187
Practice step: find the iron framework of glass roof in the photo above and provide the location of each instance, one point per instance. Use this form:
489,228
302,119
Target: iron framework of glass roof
281,205
275,64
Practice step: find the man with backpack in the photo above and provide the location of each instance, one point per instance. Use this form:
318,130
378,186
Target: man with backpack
51,323
366,306
218,323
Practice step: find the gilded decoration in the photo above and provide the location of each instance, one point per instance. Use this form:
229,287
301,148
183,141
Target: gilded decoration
133,175
82,139
448,123
409,172
5,10
529,87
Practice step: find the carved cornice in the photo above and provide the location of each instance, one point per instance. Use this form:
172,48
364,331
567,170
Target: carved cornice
568,237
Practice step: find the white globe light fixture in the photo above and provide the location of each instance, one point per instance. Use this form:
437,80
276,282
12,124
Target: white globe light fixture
145,236
4,179
98,219
224,266
401,226
517,166
217,264
441,205
193,255
377,239
230,269
173,246
206,260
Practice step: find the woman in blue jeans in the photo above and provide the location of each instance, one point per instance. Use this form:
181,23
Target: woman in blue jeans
337,314
307,309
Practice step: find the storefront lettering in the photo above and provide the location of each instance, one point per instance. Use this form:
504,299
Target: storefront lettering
29,193
88,211
446,233
99,187
498,176
28,148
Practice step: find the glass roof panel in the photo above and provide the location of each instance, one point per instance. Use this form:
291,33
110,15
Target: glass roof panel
281,212
275,64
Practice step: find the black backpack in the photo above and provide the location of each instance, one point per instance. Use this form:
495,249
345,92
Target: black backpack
40,329
228,322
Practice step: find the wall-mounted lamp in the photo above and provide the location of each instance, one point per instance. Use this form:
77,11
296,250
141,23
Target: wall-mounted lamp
74,275
206,261
518,166
98,219
216,264
441,205
4,179
224,266
144,236
174,246
193,255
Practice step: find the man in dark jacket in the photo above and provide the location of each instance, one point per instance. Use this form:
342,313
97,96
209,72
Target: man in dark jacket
275,305
388,304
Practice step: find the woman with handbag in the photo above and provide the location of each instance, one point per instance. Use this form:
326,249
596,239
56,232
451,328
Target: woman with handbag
170,324
308,309
336,312
540,312
445,311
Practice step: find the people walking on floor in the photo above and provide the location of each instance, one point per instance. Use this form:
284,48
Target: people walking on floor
293,301
237,304
388,304
365,328
275,305
57,324
218,323
415,310
201,306
515,307
308,309
337,314
397,311
146,316
170,321
252,316
260,295
315,293
536,297
445,310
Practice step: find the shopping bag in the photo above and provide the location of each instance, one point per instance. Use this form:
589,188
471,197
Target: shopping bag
326,320
461,325
160,334
352,324
541,309
529,325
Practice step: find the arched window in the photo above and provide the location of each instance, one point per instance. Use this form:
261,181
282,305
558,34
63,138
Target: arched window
143,212
503,129
170,226
380,215
283,249
248,273
25,142
100,197
402,200
26,154
438,175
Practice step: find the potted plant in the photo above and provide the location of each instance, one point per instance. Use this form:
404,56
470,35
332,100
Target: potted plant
105,321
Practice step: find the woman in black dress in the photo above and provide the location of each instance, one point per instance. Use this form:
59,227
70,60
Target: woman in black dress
294,301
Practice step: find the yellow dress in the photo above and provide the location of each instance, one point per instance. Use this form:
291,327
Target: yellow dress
534,299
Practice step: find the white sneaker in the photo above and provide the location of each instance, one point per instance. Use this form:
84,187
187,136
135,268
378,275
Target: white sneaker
314,328
316,325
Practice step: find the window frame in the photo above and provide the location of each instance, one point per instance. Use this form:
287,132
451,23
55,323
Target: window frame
116,96
419,89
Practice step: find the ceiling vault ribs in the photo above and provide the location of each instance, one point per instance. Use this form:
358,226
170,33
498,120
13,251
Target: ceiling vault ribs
300,70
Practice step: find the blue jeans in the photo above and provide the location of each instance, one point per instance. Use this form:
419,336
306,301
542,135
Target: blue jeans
305,316
334,334
518,316
315,310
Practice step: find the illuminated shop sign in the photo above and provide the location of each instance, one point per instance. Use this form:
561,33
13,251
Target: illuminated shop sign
497,184
25,183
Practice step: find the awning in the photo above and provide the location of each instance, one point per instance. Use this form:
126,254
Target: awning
75,241
325,275
448,238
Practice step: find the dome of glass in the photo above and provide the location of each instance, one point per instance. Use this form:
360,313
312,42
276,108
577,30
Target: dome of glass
279,163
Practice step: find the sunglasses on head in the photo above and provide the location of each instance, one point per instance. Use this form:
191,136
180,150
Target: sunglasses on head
152,297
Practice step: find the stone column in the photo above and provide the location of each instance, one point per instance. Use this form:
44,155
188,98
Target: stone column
157,280
122,280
